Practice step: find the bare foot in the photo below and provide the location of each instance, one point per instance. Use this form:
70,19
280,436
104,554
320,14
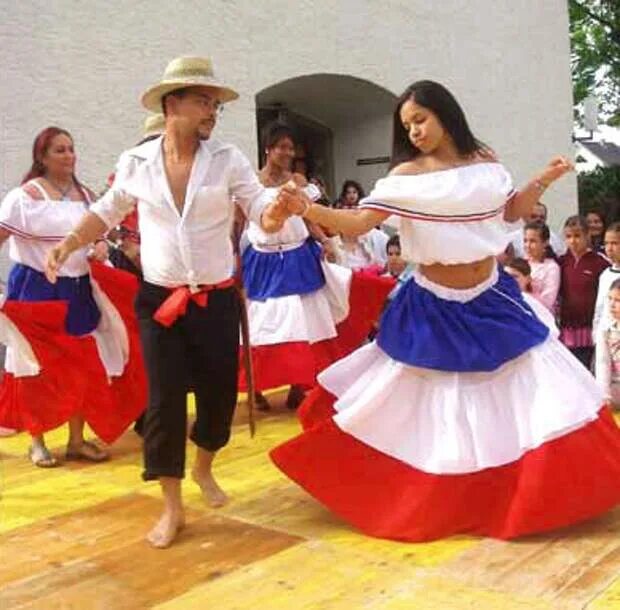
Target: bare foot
166,529
211,491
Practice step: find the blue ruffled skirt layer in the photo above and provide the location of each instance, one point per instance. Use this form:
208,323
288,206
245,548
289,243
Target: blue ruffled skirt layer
267,275
28,284
493,327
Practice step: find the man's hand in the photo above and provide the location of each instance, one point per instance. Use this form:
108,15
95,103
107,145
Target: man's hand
55,259
293,199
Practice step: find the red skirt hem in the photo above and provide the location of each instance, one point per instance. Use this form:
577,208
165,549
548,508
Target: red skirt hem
299,362
566,480
72,380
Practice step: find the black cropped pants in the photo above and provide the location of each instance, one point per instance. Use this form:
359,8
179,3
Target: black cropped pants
200,349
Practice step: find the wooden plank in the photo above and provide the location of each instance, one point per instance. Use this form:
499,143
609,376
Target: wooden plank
569,566
320,575
102,550
608,599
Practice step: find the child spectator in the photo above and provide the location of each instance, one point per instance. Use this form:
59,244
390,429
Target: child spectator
596,230
521,271
612,251
396,264
545,270
607,367
580,268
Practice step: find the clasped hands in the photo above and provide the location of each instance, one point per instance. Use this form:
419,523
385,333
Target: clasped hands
290,201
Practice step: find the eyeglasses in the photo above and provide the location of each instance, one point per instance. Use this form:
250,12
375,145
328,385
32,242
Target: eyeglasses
208,102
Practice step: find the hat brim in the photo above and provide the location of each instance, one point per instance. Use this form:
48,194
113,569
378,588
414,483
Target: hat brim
151,98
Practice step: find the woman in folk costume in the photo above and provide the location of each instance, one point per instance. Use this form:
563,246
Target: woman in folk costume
465,416
73,353
304,313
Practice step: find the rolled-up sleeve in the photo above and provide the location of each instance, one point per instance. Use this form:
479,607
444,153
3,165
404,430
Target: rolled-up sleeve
249,193
116,203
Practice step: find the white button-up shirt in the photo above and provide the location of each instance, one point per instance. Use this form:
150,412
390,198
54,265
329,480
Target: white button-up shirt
191,247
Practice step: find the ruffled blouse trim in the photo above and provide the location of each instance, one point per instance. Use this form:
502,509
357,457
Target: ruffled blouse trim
470,193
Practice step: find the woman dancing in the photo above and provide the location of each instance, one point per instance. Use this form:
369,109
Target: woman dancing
465,415
304,313
73,352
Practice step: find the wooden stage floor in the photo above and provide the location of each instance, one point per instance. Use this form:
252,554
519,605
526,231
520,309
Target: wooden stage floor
72,538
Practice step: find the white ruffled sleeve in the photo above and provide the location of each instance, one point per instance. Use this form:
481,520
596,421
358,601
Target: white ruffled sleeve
312,191
28,218
12,217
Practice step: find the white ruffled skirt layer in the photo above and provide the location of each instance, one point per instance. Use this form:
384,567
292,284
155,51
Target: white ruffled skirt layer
453,423
310,318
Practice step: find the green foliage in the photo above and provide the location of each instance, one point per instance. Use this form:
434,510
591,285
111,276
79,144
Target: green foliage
600,190
595,53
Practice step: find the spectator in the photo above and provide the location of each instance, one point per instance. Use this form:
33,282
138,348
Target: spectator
612,251
350,195
545,270
539,214
580,270
596,230
607,367
521,271
396,264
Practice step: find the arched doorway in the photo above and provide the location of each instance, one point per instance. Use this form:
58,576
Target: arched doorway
343,122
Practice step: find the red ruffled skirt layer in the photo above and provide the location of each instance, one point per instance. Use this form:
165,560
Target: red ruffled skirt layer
299,362
566,480
72,380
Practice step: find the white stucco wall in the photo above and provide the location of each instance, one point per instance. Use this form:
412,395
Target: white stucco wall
83,65
369,139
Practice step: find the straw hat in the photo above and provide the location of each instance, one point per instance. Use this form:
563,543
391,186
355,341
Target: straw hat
186,72
154,124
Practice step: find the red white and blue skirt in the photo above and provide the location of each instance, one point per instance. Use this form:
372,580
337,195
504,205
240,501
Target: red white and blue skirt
73,350
464,417
305,313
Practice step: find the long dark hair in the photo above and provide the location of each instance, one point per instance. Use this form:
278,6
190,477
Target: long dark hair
347,184
274,132
39,149
443,104
545,235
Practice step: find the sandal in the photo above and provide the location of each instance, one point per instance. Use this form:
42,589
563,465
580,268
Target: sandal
41,457
93,453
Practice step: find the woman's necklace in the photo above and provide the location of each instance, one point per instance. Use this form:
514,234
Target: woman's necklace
64,193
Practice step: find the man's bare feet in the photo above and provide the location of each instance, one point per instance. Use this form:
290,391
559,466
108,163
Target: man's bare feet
211,491
166,529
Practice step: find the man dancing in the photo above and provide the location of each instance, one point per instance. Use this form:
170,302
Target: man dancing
183,184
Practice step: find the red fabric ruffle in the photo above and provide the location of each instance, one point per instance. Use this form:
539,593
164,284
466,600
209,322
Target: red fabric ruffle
566,480
299,363
73,380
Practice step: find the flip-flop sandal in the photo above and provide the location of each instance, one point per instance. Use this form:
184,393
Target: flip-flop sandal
99,454
42,458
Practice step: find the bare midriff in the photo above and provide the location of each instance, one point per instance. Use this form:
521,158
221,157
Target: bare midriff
463,276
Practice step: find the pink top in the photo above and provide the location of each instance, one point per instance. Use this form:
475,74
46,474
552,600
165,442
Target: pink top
545,281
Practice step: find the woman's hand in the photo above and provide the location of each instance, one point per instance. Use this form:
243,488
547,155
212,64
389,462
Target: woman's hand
557,167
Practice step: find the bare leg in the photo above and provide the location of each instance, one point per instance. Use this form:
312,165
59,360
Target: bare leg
202,474
172,519
39,453
80,449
